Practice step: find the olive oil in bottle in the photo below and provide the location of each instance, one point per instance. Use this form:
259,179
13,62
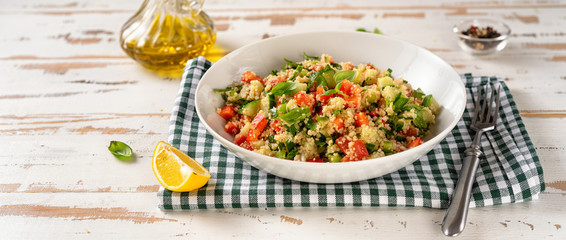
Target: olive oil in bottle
164,34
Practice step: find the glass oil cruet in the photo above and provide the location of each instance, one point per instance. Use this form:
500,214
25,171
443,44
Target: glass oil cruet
164,34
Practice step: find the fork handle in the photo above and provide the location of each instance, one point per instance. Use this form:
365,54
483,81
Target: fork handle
455,218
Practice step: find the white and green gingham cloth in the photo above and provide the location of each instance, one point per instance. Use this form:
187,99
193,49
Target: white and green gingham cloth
509,172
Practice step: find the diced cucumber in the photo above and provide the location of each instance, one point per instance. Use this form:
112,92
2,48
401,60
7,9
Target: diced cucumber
334,157
358,79
431,103
390,93
383,82
264,104
300,87
387,147
427,116
267,102
282,109
371,76
329,77
371,97
251,108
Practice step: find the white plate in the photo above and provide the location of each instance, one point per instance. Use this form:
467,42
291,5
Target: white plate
418,66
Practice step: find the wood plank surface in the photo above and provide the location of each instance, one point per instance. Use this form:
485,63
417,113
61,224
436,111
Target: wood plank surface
67,90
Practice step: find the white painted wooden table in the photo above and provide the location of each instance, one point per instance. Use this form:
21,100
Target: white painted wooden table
67,90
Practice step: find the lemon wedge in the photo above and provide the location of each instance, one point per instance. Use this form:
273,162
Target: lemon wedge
177,171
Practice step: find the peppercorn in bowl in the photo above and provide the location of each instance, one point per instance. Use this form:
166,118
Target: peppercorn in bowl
482,36
347,109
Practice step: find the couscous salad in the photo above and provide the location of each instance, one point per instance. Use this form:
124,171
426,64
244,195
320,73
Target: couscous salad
317,110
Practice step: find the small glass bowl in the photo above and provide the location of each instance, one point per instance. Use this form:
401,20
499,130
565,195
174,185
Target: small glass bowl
482,46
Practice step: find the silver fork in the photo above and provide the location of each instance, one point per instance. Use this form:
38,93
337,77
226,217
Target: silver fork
483,120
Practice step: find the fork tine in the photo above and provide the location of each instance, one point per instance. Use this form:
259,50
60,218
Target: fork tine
488,115
477,106
485,102
497,103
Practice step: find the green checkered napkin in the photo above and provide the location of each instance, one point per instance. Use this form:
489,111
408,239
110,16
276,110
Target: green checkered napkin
509,172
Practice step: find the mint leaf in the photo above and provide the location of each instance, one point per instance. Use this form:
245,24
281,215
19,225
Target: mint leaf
296,115
284,88
350,75
120,150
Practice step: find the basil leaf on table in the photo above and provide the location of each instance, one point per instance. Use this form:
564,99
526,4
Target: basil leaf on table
120,150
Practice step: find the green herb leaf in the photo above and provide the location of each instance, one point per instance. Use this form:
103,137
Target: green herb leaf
296,115
408,107
350,75
120,150
370,147
284,88
375,30
221,90
419,121
292,153
320,118
291,129
280,154
307,57
336,90
388,133
400,103
427,100
311,125
290,64
418,94
329,92
295,73
273,113
322,77
336,65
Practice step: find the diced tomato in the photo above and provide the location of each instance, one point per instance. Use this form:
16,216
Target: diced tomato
317,67
338,124
253,135
250,76
359,150
304,100
412,132
259,122
347,66
361,119
356,90
227,112
346,87
323,98
352,101
342,143
346,158
275,125
239,138
231,128
315,160
271,81
374,112
415,142
247,145
369,66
